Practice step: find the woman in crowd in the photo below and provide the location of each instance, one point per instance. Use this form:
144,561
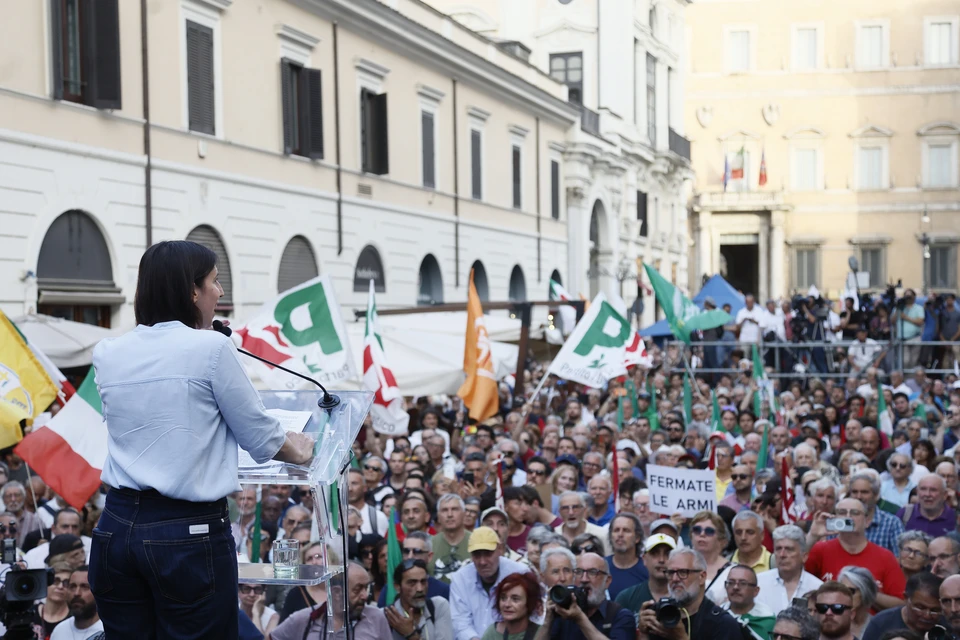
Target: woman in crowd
56,607
563,479
924,454
865,591
913,546
517,601
379,571
312,595
709,535
253,605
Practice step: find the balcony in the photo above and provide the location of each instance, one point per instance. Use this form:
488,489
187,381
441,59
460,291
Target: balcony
590,122
679,145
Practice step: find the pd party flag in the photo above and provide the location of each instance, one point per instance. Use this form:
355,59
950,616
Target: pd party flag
302,330
69,450
683,315
26,389
387,411
596,350
479,391
636,353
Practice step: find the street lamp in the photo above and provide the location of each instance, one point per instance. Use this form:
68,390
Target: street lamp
925,241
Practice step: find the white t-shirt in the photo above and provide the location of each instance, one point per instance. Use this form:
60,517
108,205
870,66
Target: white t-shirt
36,558
67,630
750,321
382,522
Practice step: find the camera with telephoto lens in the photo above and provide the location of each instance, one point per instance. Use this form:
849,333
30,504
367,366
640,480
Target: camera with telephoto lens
563,596
668,612
937,633
19,593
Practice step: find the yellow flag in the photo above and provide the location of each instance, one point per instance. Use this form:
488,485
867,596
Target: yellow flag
25,388
479,390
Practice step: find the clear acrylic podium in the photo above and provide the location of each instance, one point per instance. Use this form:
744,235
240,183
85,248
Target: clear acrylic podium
335,431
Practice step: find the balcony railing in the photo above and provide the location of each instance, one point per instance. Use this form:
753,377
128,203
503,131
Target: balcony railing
589,121
679,145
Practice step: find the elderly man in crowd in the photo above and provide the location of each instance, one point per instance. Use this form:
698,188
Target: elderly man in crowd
931,514
573,510
778,587
883,529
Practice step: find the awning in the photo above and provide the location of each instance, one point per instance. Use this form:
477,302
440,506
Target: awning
66,343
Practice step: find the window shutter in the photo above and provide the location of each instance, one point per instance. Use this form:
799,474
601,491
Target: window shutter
516,178
365,130
200,87
208,237
477,177
311,108
297,264
101,43
555,189
286,105
642,213
378,120
56,48
429,161
951,279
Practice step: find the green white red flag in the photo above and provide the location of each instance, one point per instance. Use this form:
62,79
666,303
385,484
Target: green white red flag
387,412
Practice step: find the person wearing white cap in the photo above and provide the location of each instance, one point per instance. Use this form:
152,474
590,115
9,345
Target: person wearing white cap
656,552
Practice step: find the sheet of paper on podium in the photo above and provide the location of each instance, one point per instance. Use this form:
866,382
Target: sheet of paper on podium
290,421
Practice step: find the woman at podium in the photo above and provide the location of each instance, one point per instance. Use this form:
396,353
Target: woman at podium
177,402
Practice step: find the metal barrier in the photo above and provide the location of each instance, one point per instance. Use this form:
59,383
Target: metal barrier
821,359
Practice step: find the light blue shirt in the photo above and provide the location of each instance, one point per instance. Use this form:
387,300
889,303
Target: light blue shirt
890,492
177,402
471,606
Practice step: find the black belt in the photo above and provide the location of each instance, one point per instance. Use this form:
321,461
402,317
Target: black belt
153,494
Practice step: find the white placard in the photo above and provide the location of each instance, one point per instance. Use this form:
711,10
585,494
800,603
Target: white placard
294,421
683,491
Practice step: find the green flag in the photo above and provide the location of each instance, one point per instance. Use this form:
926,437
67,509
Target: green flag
394,557
632,392
334,505
255,534
764,447
652,409
758,375
715,415
620,413
920,411
682,314
687,399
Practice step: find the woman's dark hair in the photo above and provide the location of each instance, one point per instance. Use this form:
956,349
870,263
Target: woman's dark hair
530,586
931,453
168,272
379,580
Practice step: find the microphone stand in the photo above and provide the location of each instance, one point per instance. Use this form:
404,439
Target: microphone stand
328,401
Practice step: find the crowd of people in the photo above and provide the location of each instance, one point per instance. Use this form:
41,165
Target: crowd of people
868,549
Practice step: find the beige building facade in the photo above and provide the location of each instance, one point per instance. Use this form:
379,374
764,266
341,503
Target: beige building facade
628,163
851,112
353,138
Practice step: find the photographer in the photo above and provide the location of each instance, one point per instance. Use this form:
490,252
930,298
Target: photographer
908,322
588,614
688,614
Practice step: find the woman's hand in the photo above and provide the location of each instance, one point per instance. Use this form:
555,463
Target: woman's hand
297,449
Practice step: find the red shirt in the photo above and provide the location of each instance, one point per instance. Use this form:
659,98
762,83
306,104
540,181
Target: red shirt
828,557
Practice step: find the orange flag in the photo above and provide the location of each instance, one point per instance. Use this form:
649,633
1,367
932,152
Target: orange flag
479,390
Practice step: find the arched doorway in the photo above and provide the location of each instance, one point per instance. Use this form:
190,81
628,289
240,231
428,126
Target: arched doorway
74,273
480,281
208,237
369,267
430,291
297,264
518,285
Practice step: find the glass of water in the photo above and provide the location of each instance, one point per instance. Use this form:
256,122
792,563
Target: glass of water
286,558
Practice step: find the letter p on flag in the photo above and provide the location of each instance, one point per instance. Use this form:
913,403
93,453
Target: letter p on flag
608,329
595,351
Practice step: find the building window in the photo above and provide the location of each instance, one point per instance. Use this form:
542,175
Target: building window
870,168
301,93
806,48
942,269
568,69
872,261
555,189
374,151
516,159
429,149
873,45
652,99
476,163
738,51
941,165
642,214
85,40
201,90
806,268
806,169
941,40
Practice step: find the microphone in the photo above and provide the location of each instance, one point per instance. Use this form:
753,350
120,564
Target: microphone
328,401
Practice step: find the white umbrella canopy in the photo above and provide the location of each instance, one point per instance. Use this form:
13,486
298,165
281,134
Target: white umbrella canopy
66,343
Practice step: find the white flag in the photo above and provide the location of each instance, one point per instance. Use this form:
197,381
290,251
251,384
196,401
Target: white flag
387,411
568,313
596,350
302,330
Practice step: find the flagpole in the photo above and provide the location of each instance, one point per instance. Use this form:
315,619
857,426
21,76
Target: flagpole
693,379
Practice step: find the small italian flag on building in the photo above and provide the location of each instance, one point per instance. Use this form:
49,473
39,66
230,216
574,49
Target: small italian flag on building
69,451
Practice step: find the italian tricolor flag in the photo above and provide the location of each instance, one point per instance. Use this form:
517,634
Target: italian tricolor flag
568,314
387,412
69,451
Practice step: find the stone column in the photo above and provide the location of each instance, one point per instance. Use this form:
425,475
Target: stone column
777,254
763,249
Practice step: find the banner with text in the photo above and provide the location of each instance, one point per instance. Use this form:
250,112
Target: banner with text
683,491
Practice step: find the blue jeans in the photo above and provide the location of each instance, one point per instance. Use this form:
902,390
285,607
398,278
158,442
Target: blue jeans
163,568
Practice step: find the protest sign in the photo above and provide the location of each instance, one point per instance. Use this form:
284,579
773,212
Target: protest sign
683,491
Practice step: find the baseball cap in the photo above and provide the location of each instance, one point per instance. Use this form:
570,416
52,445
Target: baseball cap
487,512
63,543
568,458
658,539
710,302
664,522
483,539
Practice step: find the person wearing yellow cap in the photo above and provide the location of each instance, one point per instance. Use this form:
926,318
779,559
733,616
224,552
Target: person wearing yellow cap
656,552
472,586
